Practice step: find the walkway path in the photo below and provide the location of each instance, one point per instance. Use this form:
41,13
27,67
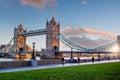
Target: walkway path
52,66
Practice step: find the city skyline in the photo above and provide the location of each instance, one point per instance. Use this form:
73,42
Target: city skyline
96,21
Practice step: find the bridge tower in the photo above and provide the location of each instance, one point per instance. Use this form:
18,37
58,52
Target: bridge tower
118,41
52,42
19,41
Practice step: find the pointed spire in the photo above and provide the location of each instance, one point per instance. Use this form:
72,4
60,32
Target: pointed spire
53,19
25,30
15,28
58,24
20,25
47,22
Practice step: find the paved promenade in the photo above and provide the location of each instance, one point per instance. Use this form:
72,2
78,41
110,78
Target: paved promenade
53,66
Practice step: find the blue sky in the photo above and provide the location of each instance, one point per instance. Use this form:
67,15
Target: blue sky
100,15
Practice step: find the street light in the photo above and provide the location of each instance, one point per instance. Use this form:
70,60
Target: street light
71,58
33,54
71,53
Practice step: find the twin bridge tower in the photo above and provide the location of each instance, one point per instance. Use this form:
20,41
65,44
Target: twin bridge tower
53,35
52,42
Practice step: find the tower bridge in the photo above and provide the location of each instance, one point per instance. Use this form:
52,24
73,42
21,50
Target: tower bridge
53,38
52,42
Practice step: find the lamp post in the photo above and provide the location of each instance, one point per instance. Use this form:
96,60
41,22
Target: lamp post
71,58
33,54
71,53
99,57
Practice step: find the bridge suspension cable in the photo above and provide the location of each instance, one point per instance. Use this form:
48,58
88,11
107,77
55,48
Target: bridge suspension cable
77,47
8,45
68,42
105,47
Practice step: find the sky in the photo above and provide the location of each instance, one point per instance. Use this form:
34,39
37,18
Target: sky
87,22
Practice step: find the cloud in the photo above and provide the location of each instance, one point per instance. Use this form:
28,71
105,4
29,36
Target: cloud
39,3
81,37
89,43
84,2
78,31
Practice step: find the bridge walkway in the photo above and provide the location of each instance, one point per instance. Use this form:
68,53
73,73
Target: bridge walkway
53,66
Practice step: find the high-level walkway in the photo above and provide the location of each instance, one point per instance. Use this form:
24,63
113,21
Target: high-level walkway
53,66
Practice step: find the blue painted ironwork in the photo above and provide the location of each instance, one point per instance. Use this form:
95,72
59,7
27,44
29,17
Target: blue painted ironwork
80,49
6,46
78,52
29,52
101,49
34,32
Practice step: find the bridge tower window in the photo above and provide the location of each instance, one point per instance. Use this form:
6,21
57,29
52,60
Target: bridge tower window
20,49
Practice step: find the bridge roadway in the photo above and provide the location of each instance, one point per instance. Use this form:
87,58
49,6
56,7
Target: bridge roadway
33,32
77,52
63,52
68,52
53,66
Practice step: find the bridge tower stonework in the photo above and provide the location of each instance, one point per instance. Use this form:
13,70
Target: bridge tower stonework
118,42
52,42
19,41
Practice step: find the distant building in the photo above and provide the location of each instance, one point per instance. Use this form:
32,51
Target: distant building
3,53
2,47
6,48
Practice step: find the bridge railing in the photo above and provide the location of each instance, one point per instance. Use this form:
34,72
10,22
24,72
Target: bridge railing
68,42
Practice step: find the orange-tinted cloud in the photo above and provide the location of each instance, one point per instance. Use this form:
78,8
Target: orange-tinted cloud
90,43
39,3
77,31
84,2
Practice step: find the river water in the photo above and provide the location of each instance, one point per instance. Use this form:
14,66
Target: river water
10,59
